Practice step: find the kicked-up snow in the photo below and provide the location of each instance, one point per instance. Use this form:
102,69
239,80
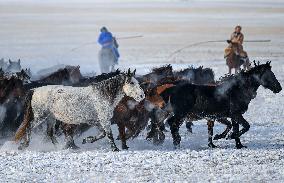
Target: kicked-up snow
43,33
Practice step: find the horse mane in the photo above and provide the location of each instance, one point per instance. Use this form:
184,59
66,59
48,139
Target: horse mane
242,73
229,81
160,70
109,84
60,74
197,75
86,81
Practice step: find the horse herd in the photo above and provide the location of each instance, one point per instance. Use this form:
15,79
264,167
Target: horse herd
65,102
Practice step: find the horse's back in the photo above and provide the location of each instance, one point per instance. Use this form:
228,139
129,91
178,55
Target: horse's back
71,105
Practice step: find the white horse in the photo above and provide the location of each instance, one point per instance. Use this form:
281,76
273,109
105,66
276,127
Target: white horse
14,67
93,105
107,60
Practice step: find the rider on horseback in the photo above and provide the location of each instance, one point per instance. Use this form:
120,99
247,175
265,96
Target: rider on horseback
236,43
236,48
106,40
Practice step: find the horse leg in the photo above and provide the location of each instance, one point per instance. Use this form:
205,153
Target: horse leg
92,139
129,132
105,122
230,70
157,133
226,131
236,133
174,123
188,125
121,129
26,127
50,128
50,133
110,137
68,130
241,120
27,139
210,125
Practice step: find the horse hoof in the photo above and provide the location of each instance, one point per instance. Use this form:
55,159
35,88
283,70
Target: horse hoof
211,145
74,147
89,139
21,148
189,130
71,146
231,136
217,137
177,146
241,146
115,149
125,147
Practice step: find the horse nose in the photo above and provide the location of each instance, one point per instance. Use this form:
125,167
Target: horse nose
141,96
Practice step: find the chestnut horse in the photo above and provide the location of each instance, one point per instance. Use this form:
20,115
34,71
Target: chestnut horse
235,61
134,116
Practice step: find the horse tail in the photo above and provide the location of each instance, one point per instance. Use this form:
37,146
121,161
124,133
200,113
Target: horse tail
27,117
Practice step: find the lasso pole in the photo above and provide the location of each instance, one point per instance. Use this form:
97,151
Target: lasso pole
216,41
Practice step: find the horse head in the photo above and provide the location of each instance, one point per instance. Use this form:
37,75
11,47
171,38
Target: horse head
164,70
74,73
11,88
265,77
132,88
23,75
14,66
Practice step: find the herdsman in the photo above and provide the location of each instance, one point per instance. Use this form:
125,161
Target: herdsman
109,54
236,44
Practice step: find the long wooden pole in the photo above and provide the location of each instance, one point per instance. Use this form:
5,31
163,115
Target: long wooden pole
216,41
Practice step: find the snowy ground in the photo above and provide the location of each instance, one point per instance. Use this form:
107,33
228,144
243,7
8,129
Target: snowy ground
42,33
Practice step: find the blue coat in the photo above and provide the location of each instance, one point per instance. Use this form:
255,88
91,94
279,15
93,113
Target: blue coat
105,37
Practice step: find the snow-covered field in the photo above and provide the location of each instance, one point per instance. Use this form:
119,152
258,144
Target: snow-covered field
42,33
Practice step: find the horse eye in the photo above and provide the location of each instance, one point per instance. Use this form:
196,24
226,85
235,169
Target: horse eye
132,83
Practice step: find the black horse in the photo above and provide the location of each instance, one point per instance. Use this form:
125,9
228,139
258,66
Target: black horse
199,76
229,99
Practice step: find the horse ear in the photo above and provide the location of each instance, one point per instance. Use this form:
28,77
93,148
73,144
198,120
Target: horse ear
269,62
133,74
254,63
78,66
128,72
258,63
10,61
19,61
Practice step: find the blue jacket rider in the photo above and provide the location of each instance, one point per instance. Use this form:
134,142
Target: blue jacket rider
106,40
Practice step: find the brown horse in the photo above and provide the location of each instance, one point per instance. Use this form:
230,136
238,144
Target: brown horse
66,76
235,61
13,88
135,116
12,93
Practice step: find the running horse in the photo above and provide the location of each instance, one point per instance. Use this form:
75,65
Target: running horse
230,99
93,104
235,61
134,116
12,94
